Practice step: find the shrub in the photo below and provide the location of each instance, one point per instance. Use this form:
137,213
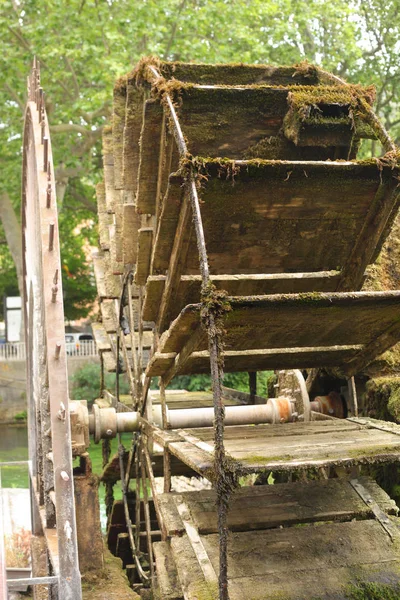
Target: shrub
85,383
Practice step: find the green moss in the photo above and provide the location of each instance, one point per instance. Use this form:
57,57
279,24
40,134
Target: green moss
372,591
203,590
383,397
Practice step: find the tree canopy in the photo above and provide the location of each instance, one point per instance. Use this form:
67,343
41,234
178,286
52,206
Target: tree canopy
84,45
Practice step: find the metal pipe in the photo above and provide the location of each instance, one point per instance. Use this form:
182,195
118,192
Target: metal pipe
274,411
107,423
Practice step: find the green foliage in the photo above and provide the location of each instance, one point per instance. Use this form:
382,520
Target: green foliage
21,416
237,381
85,383
356,39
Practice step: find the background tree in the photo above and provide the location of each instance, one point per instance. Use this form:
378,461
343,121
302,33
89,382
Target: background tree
84,45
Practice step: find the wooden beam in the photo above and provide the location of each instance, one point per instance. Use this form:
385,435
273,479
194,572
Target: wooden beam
256,360
387,200
177,260
145,240
196,339
236,285
150,145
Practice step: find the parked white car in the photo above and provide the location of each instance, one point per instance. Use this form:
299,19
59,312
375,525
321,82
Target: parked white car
79,344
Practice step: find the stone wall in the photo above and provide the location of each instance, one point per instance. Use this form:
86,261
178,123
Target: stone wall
13,384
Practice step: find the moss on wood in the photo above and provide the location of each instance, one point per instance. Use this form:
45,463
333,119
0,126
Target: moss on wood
372,591
383,398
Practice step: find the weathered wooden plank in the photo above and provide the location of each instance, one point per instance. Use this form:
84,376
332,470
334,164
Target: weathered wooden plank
167,224
101,337
198,337
131,136
299,451
296,320
167,576
108,168
258,360
195,458
221,121
150,145
288,446
387,200
108,285
342,554
116,266
145,240
108,315
269,506
188,291
118,124
130,226
299,216
177,261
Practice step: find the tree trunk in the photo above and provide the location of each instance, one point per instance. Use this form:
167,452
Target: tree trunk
12,230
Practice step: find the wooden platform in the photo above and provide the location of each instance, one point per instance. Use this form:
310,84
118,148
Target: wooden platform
292,541
287,447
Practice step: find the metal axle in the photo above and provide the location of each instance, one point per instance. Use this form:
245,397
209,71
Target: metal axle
106,423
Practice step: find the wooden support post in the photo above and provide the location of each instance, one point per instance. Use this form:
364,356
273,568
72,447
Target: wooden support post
253,386
352,396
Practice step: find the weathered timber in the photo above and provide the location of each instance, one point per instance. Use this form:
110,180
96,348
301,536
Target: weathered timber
108,168
188,290
300,321
108,315
108,284
145,238
168,587
270,506
262,359
130,226
177,260
290,446
118,124
348,554
131,136
300,216
152,138
101,337
230,121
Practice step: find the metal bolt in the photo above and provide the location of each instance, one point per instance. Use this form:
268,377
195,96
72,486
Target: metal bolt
45,152
54,291
55,279
61,413
51,236
40,103
58,350
48,195
64,476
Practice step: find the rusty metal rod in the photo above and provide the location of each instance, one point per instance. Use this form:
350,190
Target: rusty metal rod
48,195
45,153
51,236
